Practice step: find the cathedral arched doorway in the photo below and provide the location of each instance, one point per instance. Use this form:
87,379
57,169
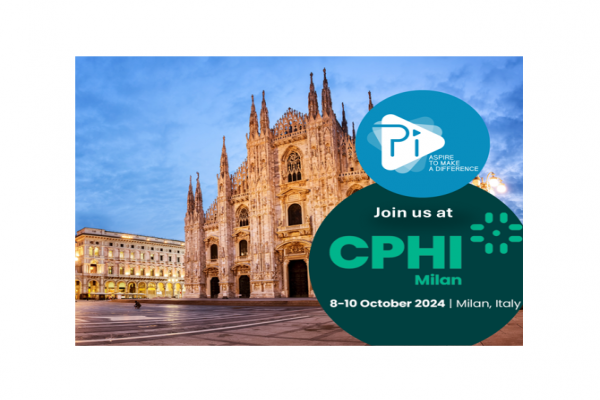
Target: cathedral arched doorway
298,277
214,288
245,286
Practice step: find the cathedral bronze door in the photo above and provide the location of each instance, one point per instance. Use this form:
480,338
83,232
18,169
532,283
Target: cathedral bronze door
214,288
298,276
245,286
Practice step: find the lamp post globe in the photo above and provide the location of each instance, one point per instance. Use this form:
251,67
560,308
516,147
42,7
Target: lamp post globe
489,183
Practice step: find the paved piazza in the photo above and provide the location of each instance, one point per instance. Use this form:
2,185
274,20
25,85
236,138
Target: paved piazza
107,323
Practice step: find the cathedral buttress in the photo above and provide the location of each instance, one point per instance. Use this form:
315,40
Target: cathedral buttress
261,207
225,218
194,258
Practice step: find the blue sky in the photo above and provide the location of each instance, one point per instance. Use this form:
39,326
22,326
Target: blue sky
144,125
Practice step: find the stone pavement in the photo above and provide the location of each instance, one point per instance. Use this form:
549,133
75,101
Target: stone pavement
510,335
110,323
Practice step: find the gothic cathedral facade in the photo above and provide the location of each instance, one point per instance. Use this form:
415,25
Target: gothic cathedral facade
254,239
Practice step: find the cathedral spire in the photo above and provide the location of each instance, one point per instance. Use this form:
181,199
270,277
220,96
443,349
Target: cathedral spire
313,104
253,121
198,200
353,133
264,118
224,161
370,102
326,96
190,197
344,122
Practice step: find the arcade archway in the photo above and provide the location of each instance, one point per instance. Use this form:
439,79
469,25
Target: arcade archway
151,290
93,287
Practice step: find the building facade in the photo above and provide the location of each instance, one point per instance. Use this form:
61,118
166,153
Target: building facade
113,262
254,239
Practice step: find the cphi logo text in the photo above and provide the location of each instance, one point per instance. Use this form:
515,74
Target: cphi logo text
384,247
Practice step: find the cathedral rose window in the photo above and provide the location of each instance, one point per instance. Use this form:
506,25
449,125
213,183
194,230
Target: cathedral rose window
294,167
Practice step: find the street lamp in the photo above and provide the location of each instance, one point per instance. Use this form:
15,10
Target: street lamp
490,183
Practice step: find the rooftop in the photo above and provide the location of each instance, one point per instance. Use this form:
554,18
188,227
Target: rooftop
121,235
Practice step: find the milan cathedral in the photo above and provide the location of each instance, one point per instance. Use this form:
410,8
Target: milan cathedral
254,239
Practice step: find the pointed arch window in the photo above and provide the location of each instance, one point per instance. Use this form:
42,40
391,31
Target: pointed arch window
244,219
295,215
294,167
214,252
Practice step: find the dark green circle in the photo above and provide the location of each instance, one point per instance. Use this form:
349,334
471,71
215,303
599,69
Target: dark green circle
485,276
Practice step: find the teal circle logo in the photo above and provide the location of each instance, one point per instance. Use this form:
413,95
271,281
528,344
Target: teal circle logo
422,143
399,270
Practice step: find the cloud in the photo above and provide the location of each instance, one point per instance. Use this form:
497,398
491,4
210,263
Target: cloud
144,125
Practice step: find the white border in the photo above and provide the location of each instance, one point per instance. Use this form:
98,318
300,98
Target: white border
559,43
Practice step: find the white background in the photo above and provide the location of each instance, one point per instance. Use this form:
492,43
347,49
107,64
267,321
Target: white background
559,41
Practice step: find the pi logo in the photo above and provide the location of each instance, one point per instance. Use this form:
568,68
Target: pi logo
403,142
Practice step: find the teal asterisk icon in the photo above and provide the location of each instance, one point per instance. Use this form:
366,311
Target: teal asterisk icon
514,232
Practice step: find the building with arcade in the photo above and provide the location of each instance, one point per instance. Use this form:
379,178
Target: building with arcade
113,262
